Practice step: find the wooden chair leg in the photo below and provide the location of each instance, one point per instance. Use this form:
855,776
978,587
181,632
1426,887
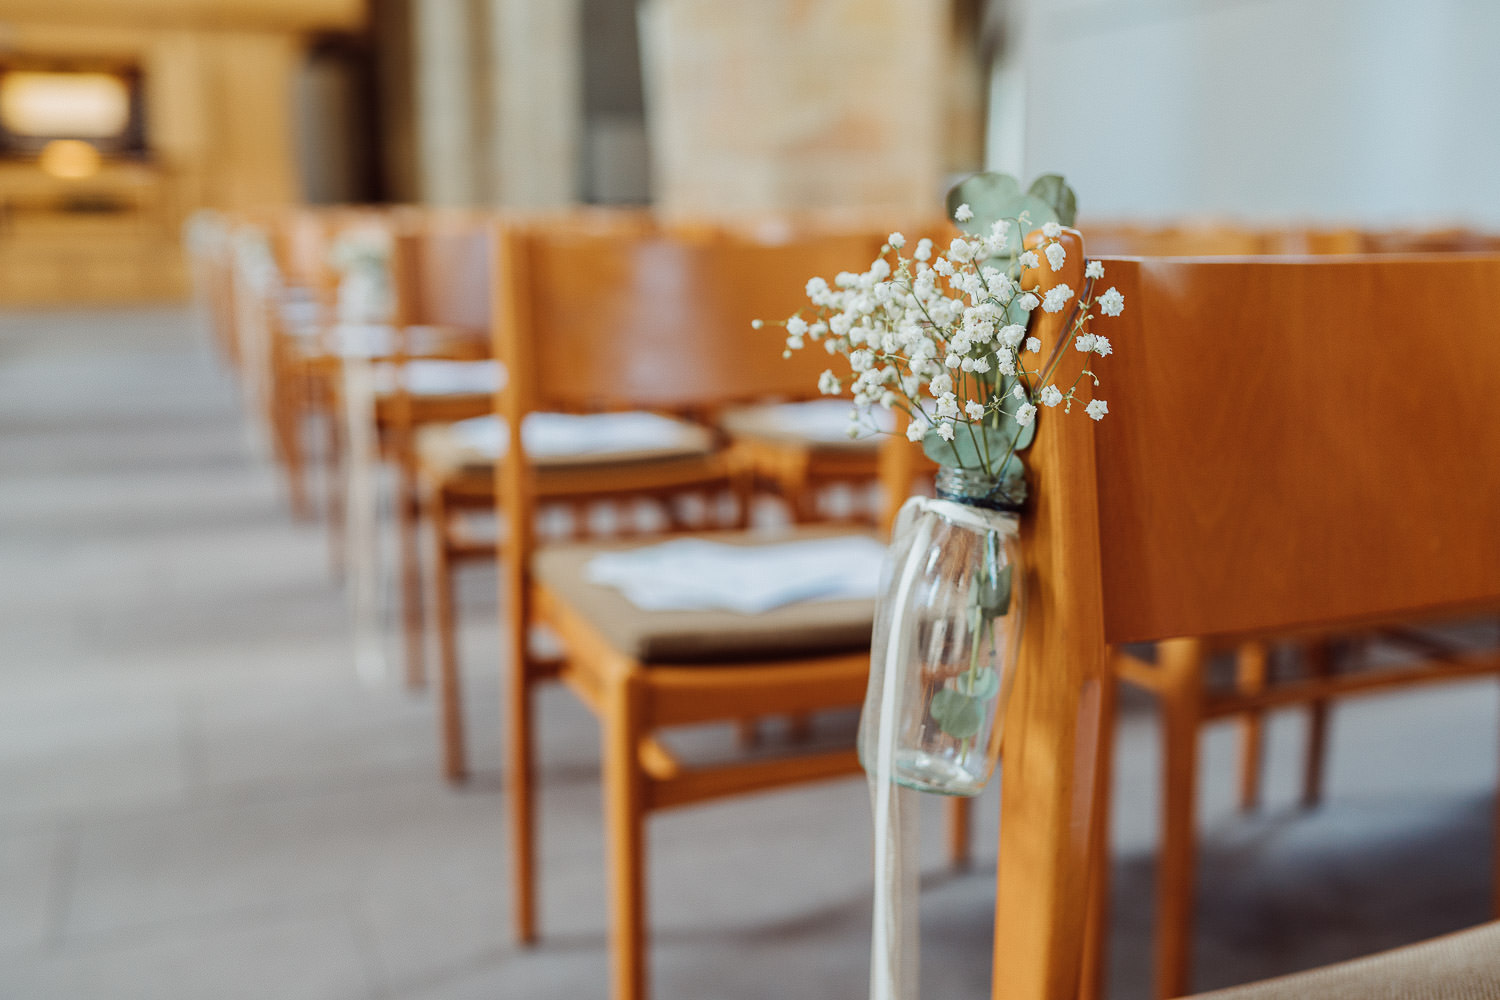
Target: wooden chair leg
333,491
519,781
1252,673
450,690
408,515
625,816
1096,931
1181,665
747,733
286,433
1496,849
957,811
1319,656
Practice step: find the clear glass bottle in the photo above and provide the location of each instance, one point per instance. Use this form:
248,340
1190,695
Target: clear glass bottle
946,640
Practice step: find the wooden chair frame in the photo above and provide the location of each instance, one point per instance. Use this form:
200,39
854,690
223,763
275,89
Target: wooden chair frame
1136,520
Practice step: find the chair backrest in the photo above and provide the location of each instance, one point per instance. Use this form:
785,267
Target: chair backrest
601,320
1291,444
442,264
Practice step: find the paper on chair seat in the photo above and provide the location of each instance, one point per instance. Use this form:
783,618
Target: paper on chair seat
825,419
695,574
378,340
557,435
438,377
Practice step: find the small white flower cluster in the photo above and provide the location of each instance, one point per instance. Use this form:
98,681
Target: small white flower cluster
943,336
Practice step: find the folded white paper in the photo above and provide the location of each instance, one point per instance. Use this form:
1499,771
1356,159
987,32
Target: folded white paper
694,574
825,420
555,435
437,377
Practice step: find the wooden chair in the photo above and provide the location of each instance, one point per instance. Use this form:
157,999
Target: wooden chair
792,441
458,479
1256,483
587,323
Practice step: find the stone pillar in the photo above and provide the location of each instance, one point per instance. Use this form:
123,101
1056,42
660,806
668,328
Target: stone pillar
795,104
447,147
535,77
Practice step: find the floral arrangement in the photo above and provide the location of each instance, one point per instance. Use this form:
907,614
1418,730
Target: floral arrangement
942,336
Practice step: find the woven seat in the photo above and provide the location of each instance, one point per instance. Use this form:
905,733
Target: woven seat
1462,966
472,447
805,628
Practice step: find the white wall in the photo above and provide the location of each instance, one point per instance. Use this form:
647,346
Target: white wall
1360,111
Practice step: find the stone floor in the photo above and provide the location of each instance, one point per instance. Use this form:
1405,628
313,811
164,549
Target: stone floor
198,798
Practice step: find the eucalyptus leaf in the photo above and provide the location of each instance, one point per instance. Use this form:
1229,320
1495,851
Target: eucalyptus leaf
990,196
983,684
956,714
1052,189
967,449
1038,214
993,597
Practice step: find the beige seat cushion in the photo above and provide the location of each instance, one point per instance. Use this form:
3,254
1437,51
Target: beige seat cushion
807,628
556,440
1462,966
818,423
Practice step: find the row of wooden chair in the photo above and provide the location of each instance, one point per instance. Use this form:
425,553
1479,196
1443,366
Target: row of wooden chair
574,329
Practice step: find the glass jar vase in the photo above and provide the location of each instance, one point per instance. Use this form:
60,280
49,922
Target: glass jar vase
947,635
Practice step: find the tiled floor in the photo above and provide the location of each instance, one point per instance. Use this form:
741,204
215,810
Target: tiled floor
198,799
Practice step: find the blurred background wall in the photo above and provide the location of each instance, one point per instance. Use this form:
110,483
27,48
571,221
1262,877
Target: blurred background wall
1358,112
1370,112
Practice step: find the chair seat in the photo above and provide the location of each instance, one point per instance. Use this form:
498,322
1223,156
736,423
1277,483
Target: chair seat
818,424
441,377
1462,966
704,637
558,440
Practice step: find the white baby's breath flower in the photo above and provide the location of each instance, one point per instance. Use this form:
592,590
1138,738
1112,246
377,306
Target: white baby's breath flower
1057,297
1051,396
963,213
914,431
953,361
1056,255
1051,230
943,266
1012,335
975,410
1094,269
1101,346
756,324
945,431
981,364
1112,303
796,326
1029,259
1000,229
896,240
941,384
828,383
924,249
960,250
1027,301
1025,414
1084,343
1018,392
1097,409
1034,345
947,405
